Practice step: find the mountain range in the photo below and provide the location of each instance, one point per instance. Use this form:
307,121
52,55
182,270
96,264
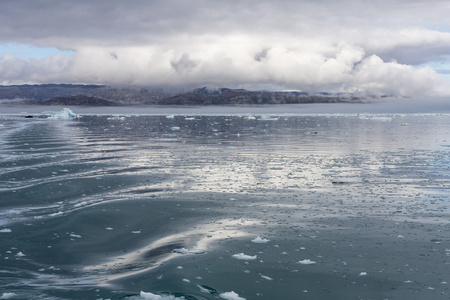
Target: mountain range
102,95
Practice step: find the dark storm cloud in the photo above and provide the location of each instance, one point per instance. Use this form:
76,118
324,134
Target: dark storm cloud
348,45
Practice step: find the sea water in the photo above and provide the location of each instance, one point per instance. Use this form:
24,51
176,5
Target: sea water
228,205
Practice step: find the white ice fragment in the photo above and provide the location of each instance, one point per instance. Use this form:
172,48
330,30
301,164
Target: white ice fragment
306,262
5,230
179,267
400,236
20,254
186,280
56,214
232,199
205,290
75,235
136,231
64,114
259,240
189,119
175,128
170,117
243,256
187,251
109,228
151,296
8,296
231,296
363,274
266,277
250,118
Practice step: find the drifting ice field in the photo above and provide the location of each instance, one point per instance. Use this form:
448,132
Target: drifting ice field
224,207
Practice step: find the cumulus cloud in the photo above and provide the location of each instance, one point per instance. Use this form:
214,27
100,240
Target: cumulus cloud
373,46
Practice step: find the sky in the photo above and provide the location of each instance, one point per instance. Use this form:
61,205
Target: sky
389,47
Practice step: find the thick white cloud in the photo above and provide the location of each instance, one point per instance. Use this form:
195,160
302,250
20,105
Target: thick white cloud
368,46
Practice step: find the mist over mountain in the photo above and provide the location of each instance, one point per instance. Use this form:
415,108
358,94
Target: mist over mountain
102,95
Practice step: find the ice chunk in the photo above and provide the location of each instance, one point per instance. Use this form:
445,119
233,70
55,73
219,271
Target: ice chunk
266,277
206,289
8,296
363,274
231,296
5,230
259,240
65,114
243,256
170,117
175,128
151,296
307,262
20,254
187,251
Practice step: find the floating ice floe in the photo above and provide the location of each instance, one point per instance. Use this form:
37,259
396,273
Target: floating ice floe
151,296
231,296
266,277
307,262
259,240
187,251
243,256
175,128
206,289
5,230
376,118
20,254
170,117
363,274
8,296
65,114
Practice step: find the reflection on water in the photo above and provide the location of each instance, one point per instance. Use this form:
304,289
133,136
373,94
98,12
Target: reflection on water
109,206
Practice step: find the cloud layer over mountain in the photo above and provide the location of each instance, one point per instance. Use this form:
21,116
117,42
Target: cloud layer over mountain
384,47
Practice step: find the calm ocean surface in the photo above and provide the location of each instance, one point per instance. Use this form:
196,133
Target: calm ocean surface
224,203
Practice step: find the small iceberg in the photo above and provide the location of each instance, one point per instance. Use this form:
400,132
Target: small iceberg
259,240
151,296
243,256
187,251
231,296
307,262
64,114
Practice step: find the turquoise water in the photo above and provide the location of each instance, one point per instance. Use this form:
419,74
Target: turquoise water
225,206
